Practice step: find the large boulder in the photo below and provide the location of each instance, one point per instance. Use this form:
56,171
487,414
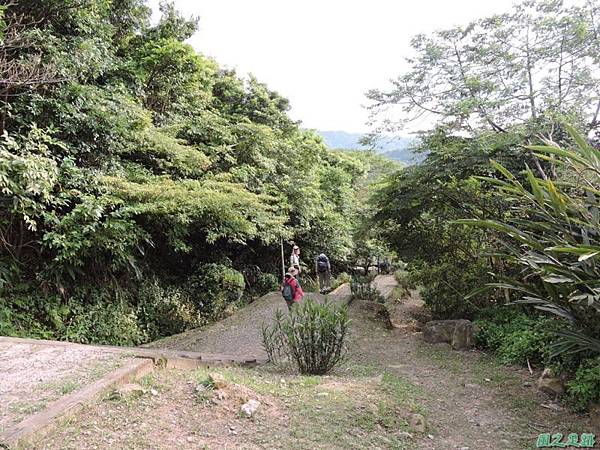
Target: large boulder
457,333
463,336
550,384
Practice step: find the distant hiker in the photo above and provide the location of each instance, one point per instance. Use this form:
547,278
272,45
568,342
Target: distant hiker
295,258
384,266
323,269
290,290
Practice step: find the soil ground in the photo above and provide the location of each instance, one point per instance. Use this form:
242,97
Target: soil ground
35,375
389,378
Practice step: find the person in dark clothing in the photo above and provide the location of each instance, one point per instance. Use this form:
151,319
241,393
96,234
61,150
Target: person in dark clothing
323,270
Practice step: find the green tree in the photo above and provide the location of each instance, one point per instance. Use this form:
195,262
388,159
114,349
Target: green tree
535,63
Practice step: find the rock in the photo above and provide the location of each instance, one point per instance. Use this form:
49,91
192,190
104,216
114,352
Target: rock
130,390
417,423
457,333
595,416
437,331
527,384
463,336
380,310
249,408
154,392
217,381
550,384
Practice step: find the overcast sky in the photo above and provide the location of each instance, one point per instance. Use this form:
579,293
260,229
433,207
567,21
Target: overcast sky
323,54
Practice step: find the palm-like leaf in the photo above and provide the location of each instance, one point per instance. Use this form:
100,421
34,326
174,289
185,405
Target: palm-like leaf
554,235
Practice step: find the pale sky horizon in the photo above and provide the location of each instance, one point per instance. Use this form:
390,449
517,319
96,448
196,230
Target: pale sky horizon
323,55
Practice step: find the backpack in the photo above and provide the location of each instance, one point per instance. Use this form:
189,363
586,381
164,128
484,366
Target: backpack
287,292
322,264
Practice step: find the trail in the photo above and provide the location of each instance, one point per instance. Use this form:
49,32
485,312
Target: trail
469,401
240,333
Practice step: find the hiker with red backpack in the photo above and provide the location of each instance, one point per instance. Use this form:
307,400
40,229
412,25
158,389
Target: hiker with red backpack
290,290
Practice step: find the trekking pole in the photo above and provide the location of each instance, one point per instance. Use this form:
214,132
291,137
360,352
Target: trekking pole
282,261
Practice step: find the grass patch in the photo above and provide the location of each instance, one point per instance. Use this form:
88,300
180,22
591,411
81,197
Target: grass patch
489,368
363,370
63,386
404,392
332,411
69,386
442,356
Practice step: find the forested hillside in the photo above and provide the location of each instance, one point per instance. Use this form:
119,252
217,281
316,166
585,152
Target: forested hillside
144,189
395,148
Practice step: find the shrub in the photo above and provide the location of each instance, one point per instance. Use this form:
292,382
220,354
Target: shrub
29,316
552,234
447,286
308,283
585,387
516,337
215,287
265,283
112,323
312,336
404,279
405,283
342,278
366,292
165,311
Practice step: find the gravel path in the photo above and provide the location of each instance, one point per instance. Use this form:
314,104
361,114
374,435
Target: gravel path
240,333
35,375
385,284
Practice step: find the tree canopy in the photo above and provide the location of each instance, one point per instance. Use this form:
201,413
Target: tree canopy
128,158
535,63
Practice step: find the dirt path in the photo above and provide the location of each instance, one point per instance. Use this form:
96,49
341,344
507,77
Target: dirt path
471,401
385,284
240,334
468,400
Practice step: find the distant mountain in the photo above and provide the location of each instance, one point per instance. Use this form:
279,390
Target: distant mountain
396,148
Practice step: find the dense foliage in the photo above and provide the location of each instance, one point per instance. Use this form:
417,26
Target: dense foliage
143,189
507,195
517,337
552,234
